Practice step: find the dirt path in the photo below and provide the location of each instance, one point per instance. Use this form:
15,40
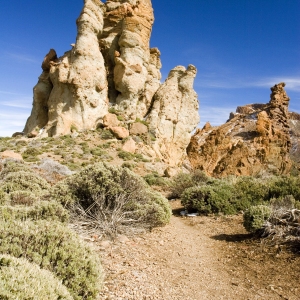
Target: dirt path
198,258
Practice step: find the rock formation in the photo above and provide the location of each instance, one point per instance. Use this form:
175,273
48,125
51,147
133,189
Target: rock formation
254,140
294,123
73,92
174,114
111,64
132,67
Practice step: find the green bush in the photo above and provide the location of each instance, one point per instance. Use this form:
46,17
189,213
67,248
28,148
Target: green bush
24,181
208,199
106,135
128,165
126,155
43,210
250,191
13,167
105,191
3,197
23,280
155,179
285,185
56,248
30,154
183,181
256,216
98,152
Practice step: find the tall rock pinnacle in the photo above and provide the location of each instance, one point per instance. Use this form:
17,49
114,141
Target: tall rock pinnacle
111,64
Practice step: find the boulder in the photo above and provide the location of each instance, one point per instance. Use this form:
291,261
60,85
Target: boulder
11,154
119,132
138,128
129,146
18,134
110,120
33,134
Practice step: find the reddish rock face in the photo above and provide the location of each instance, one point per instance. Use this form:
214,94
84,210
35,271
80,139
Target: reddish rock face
256,139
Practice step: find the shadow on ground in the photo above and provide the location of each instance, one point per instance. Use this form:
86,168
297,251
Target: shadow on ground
233,237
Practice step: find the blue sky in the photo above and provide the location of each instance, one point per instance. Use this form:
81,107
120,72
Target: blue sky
240,47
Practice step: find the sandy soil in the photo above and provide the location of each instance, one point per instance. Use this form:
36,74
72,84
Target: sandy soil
198,258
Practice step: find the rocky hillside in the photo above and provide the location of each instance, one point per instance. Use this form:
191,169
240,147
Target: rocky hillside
255,139
112,65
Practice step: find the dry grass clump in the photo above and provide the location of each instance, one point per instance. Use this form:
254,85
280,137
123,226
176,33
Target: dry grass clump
111,200
22,280
22,198
56,248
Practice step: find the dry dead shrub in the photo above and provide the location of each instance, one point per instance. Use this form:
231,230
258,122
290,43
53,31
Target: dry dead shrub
111,200
22,198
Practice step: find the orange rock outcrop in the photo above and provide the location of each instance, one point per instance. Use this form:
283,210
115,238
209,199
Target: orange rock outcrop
255,140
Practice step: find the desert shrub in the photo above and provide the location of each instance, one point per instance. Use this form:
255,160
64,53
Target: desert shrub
125,155
183,181
111,198
287,202
22,143
23,280
155,179
285,185
22,198
128,165
3,197
106,145
106,135
250,191
24,181
256,216
98,152
56,248
208,199
68,140
43,210
113,110
30,154
12,167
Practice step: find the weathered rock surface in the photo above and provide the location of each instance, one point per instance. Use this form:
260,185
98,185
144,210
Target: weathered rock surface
256,139
10,154
132,67
119,132
294,123
110,120
111,63
73,92
174,114
138,129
